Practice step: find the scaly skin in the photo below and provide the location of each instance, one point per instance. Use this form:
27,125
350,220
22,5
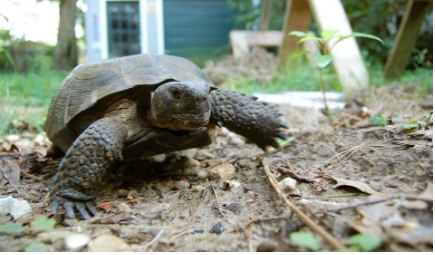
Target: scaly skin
255,120
85,165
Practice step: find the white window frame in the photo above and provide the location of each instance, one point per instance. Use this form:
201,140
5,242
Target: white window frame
143,14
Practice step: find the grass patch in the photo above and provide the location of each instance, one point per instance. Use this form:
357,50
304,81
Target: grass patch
302,78
26,98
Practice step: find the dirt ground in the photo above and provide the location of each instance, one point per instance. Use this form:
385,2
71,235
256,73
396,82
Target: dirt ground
219,198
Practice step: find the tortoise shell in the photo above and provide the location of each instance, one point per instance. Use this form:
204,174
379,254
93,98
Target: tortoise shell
90,88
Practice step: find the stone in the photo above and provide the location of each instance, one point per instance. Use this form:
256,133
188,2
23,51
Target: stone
109,243
222,171
289,185
76,241
6,205
218,228
235,207
182,185
20,208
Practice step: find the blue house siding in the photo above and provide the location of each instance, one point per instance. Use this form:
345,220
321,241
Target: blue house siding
197,29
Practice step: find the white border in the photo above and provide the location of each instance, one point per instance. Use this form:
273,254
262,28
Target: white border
160,27
103,31
143,14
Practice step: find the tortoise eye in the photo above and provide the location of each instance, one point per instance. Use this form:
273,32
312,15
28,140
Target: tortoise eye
176,93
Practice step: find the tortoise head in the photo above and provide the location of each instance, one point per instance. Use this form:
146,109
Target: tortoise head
180,105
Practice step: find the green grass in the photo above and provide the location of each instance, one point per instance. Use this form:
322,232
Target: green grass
305,78
26,97
302,78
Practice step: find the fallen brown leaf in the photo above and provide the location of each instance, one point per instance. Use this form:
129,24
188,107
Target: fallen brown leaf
358,185
135,199
106,207
9,172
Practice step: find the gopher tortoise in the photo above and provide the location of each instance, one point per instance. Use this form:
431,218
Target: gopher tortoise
133,107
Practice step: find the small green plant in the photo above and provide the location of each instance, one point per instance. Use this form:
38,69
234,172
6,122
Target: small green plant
380,120
325,58
44,223
11,228
364,242
417,124
305,239
36,247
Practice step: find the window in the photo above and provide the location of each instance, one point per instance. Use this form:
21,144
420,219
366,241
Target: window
123,28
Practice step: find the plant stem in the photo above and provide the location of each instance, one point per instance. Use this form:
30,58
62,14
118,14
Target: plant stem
322,86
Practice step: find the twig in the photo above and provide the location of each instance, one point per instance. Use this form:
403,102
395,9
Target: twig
31,176
312,225
384,199
328,114
269,219
152,241
217,199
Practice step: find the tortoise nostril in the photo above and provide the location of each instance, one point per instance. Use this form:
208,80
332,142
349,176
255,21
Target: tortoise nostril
200,100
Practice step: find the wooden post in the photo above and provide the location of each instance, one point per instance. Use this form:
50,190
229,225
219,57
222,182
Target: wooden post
347,59
297,18
265,16
406,38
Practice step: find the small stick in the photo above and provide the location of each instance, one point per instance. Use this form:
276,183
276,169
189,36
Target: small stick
152,241
384,199
31,176
217,199
269,219
312,225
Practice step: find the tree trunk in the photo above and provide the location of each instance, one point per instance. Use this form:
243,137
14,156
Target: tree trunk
65,54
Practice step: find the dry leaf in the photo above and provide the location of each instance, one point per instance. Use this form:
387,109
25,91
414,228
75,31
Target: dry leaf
358,185
123,213
427,193
135,199
106,207
10,172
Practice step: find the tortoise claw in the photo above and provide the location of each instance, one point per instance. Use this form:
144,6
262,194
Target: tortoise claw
82,210
55,205
91,208
69,210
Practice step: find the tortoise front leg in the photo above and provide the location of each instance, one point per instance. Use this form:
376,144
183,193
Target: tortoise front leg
85,165
257,121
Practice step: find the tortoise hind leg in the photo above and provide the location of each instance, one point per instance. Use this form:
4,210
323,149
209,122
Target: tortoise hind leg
54,152
257,121
85,165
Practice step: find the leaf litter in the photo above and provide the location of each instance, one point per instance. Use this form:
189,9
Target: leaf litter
382,174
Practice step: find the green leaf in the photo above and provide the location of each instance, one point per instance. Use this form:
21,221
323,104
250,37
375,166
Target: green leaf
410,125
356,34
323,60
365,242
336,85
36,247
310,37
300,53
297,33
380,120
328,34
44,223
305,239
285,142
11,228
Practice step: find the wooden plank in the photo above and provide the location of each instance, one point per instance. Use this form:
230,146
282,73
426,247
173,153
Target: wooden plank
241,40
297,18
265,16
406,38
347,59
